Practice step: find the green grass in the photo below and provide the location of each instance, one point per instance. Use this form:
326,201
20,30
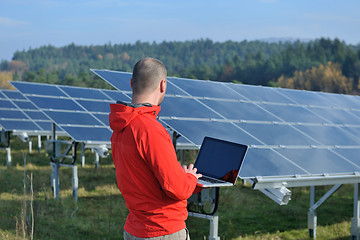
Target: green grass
100,212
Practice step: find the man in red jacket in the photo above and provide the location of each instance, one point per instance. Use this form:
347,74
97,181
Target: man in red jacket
153,183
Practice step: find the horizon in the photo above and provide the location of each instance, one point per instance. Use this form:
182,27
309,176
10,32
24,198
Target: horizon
30,25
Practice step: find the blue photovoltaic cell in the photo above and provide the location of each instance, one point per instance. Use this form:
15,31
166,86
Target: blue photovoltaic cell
47,126
195,131
343,101
179,139
320,161
268,162
72,118
13,94
36,115
87,93
185,107
356,113
171,89
104,118
277,134
95,106
24,105
55,103
6,104
116,95
294,114
303,97
354,131
259,93
13,114
240,110
26,125
329,135
210,89
350,154
120,80
86,134
2,95
40,89
337,116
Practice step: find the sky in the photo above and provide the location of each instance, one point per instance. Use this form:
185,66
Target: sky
28,24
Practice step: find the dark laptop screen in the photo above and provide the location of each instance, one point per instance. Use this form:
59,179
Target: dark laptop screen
220,159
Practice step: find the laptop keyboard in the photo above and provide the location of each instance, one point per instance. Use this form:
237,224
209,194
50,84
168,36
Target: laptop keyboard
212,180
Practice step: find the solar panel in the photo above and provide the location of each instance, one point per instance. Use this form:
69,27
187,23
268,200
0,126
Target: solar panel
194,109
248,111
208,89
290,132
18,114
119,80
259,93
81,112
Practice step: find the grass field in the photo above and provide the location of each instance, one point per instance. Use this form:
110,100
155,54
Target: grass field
100,211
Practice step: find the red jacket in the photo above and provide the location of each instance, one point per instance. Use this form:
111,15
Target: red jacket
151,180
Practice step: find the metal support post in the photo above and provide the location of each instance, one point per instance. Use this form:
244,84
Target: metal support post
312,218
96,159
75,180
39,143
55,181
182,156
30,145
214,224
355,221
8,156
83,154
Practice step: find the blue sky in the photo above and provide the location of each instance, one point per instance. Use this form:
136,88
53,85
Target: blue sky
25,24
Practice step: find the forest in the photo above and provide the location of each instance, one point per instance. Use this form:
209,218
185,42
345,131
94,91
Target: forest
323,64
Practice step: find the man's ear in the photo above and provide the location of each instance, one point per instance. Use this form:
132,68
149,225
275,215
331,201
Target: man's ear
163,85
131,83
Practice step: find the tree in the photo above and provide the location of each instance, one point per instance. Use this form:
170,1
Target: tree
327,78
4,78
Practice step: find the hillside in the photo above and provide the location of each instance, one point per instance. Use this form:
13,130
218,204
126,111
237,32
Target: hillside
250,62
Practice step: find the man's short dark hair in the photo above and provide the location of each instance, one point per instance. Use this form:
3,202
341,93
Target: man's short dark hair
147,74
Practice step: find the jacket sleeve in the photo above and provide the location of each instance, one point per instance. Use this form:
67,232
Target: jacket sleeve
161,157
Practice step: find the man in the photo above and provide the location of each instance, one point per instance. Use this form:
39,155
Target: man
153,183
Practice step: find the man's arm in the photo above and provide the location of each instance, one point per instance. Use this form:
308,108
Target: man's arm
177,182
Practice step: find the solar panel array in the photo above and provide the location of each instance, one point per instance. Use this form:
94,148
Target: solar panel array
83,113
290,132
20,115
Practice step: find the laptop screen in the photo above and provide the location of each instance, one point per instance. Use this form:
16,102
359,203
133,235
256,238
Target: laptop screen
220,159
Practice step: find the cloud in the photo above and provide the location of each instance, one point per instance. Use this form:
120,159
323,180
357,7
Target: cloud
10,22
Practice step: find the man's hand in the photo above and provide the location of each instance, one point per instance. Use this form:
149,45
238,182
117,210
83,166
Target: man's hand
192,170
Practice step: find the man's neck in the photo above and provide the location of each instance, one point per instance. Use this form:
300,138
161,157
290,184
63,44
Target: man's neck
138,99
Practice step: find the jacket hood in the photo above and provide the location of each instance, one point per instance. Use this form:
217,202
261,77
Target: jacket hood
122,114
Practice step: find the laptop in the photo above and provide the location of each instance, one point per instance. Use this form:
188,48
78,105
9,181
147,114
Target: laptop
219,162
